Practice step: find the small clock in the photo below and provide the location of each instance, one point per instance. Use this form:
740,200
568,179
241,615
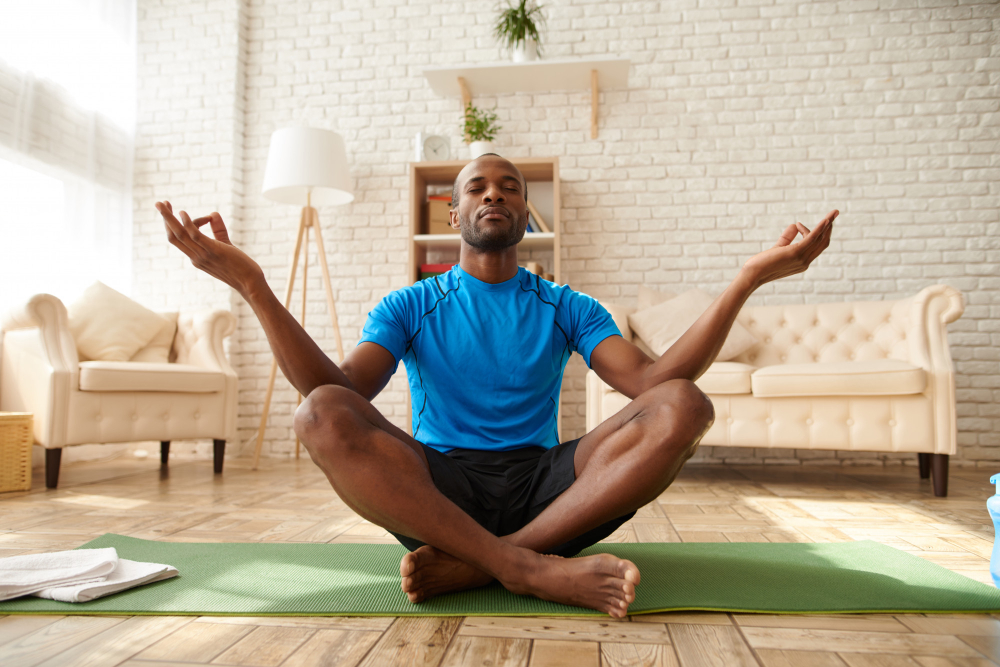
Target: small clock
432,147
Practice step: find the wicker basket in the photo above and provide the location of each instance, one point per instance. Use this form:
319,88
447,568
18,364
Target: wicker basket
15,451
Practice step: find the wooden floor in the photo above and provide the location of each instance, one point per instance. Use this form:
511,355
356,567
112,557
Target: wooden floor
292,502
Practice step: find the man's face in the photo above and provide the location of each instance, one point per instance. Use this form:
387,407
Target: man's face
492,212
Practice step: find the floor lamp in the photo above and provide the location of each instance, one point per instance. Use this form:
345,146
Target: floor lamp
305,166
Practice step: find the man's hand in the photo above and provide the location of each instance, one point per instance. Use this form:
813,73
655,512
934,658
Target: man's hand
787,258
217,257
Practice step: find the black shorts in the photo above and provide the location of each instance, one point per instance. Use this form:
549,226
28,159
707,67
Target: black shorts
505,491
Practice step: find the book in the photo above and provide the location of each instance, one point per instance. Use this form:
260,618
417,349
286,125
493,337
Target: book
437,268
446,198
532,227
539,220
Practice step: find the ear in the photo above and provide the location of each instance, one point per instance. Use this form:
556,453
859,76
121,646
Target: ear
453,219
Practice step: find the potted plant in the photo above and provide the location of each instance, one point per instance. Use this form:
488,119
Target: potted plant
517,29
480,129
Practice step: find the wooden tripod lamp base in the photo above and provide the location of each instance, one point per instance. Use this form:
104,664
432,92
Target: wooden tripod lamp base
308,222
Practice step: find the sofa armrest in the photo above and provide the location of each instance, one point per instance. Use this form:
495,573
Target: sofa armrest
931,310
595,393
47,314
199,339
39,366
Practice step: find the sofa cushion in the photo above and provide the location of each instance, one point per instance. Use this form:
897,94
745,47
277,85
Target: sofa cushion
882,377
649,297
726,377
148,376
661,325
158,349
620,315
109,326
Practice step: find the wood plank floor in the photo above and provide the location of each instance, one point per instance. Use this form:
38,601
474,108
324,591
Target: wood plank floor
292,502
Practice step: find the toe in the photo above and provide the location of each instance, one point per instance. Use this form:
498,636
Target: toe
629,590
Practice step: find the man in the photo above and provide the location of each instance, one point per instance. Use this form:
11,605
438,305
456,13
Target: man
482,490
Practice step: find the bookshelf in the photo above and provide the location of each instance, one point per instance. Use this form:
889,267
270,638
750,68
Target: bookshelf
542,175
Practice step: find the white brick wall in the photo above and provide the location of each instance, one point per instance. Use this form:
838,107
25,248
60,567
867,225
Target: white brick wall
740,117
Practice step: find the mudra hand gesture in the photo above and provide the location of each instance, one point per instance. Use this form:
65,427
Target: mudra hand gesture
787,258
217,257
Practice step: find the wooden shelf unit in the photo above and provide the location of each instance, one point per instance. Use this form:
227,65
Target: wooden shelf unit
423,174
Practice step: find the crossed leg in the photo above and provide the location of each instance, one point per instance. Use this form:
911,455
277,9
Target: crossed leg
623,464
382,474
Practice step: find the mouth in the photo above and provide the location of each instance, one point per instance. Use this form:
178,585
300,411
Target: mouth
494,212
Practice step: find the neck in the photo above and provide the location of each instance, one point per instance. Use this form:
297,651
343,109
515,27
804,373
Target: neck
490,267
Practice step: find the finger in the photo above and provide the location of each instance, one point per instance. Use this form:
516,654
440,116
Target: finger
787,236
176,234
191,229
219,230
172,224
821,243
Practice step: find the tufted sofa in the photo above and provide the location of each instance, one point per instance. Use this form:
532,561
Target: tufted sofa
76,402
865,376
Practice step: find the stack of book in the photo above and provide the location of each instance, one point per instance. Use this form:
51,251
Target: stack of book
431,270
536,223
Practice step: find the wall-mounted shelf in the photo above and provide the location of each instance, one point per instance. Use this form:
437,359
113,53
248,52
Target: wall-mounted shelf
535,76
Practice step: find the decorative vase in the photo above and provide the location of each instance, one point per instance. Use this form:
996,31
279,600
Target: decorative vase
525,51
478,148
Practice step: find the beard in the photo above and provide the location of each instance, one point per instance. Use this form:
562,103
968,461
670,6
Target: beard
495,239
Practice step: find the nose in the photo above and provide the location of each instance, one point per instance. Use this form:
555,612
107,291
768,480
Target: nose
493,193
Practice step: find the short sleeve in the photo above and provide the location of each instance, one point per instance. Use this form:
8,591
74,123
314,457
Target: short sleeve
386,326
590,323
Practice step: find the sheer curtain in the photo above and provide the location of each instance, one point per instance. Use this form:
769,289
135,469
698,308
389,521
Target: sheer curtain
67,123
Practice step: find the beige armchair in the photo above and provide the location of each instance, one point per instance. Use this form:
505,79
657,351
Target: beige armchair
106,402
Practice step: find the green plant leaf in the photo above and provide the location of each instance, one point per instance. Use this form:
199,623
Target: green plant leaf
517,24
479,124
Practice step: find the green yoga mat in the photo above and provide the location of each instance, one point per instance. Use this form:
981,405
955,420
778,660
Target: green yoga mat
363,580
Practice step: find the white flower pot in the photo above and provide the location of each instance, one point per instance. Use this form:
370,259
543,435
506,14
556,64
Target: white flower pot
525,51
478,148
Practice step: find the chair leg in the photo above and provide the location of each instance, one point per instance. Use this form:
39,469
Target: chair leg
939,462
220,452
52,459
925,465
164,452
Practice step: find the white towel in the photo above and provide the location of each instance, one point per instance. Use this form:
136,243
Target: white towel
128,574
23,575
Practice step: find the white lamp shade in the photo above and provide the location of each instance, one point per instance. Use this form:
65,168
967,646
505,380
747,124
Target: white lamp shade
304,160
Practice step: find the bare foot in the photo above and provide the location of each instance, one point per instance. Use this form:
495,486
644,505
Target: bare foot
427,572
602,582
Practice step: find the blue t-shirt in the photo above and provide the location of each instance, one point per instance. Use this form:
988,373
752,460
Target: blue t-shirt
485,361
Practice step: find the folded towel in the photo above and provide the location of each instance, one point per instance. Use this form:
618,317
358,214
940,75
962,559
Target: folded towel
23,575
128,574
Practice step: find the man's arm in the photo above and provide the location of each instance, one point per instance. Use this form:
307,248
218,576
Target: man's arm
627,369
366,369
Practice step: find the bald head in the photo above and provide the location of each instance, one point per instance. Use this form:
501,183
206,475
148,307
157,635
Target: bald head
456,188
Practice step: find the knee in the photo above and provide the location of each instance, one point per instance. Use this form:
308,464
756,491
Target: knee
684,405
327,411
